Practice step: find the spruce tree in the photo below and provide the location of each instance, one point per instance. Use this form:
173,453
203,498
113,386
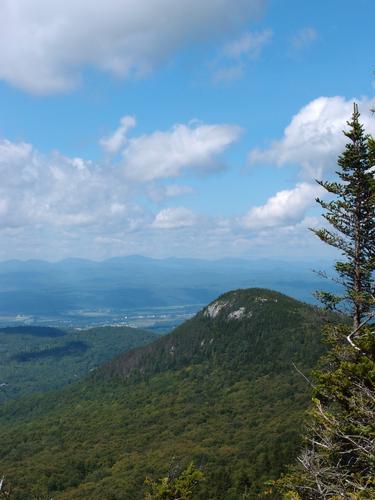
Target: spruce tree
338,461
351,216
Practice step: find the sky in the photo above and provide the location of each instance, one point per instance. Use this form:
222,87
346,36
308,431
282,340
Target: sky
186,129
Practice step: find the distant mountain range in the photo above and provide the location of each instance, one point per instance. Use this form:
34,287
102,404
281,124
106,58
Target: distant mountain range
127,283
219,390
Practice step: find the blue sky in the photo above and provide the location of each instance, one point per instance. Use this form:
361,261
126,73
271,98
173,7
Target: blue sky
175,128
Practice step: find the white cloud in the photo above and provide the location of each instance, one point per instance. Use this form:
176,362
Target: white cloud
44,44
54,190
52,207
173,218
285,208
314,137
304,38
167,154
233,57
117,139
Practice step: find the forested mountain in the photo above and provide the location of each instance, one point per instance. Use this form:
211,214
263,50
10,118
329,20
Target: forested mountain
220,390
35,358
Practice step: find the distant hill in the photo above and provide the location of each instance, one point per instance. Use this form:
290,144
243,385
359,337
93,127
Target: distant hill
65,289
35,358
220,390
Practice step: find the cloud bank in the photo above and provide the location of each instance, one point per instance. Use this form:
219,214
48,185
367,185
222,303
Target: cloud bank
45,45
132,202
39,190
56,190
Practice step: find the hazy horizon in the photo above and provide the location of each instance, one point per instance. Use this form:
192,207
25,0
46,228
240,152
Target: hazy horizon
284,259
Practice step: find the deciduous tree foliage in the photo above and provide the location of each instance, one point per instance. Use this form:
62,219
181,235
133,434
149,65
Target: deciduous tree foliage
176,485
218,391
338,460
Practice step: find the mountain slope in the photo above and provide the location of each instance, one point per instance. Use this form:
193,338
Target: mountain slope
41,358
220,390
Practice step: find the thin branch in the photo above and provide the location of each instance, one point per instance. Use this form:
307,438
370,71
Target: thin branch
303,375
364,322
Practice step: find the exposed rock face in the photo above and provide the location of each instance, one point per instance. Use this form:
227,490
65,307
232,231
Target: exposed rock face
232,310
228,309
240,314
213,309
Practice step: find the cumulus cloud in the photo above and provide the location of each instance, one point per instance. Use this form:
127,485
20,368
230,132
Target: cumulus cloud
117,139
71,199
285,208
164,154
313,139
62,191
173,218
233,57
52,206
54,190
44,45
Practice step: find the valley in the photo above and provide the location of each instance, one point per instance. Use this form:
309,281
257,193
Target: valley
41,358
219,390
159,319
78,292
